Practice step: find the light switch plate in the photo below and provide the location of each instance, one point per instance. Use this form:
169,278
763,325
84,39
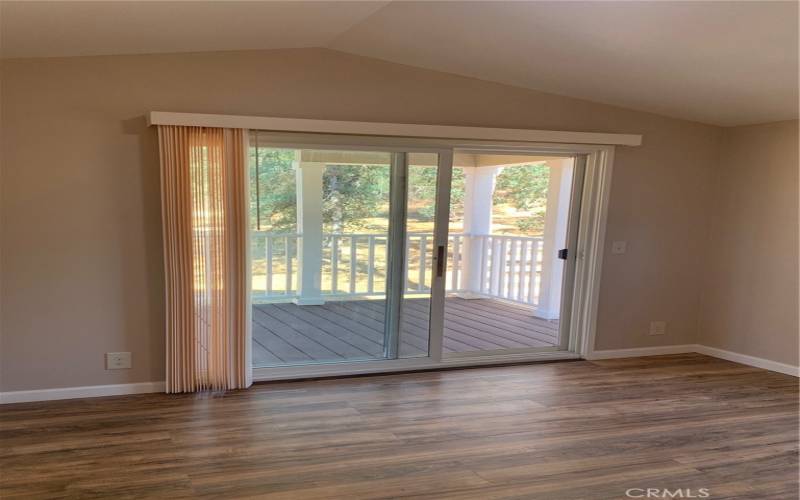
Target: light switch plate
619,247
658,328
118,360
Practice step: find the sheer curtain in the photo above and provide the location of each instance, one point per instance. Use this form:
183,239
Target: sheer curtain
203,199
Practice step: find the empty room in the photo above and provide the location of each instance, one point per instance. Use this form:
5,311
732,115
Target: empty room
399,249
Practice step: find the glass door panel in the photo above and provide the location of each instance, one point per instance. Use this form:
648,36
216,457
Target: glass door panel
510,216
420,258
336,275
319,234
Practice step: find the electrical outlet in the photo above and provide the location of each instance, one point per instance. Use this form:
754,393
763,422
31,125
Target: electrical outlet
619,247
658,328
118,360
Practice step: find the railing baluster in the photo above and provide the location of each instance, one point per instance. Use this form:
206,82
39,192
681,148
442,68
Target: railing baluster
531,272
523,262
532,299
334,263
521,270
288,262
423,250
456,270
268,265
371,264
501,284
492,265
353,264
512,268
484,260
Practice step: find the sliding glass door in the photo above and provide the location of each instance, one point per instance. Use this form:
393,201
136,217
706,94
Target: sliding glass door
511,253
365,257
342,254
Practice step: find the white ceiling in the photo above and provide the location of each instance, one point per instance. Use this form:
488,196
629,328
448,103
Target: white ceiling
53,29
725,63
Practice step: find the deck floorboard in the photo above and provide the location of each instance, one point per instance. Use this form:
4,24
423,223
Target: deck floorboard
363,337
353,330
274,345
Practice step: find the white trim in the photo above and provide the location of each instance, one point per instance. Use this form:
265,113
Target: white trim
749,360
401,365
590,245
388,129
410,364
567,336
736,357
641,351
91,391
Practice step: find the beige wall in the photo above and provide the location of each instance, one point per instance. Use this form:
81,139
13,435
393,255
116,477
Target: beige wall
81,235
750,298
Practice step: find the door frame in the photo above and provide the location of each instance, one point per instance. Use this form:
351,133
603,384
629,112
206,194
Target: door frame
573,226
590,239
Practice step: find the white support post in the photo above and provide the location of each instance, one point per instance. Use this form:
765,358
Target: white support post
309,225
559,189
478,193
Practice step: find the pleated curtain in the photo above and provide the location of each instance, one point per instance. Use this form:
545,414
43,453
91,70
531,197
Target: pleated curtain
203,198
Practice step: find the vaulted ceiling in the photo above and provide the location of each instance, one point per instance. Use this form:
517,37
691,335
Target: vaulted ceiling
724,63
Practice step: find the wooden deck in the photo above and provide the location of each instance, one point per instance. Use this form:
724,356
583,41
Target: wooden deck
353,330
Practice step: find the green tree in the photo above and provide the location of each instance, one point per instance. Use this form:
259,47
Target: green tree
422,193
273,199
525,188
351,195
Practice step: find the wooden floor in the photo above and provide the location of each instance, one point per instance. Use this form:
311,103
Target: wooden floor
353,330
569,430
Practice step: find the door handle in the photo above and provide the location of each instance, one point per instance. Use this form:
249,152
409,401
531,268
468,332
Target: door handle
439,261
562,254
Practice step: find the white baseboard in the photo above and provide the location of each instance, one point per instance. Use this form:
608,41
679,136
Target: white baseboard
91,391
147,387
641,351
700,349
749,360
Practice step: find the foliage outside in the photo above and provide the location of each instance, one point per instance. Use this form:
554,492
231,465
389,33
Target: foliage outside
356,198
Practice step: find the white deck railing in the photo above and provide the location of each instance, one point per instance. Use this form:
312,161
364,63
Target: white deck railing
498,266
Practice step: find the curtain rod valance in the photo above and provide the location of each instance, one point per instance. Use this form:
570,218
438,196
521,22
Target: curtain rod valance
390,129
